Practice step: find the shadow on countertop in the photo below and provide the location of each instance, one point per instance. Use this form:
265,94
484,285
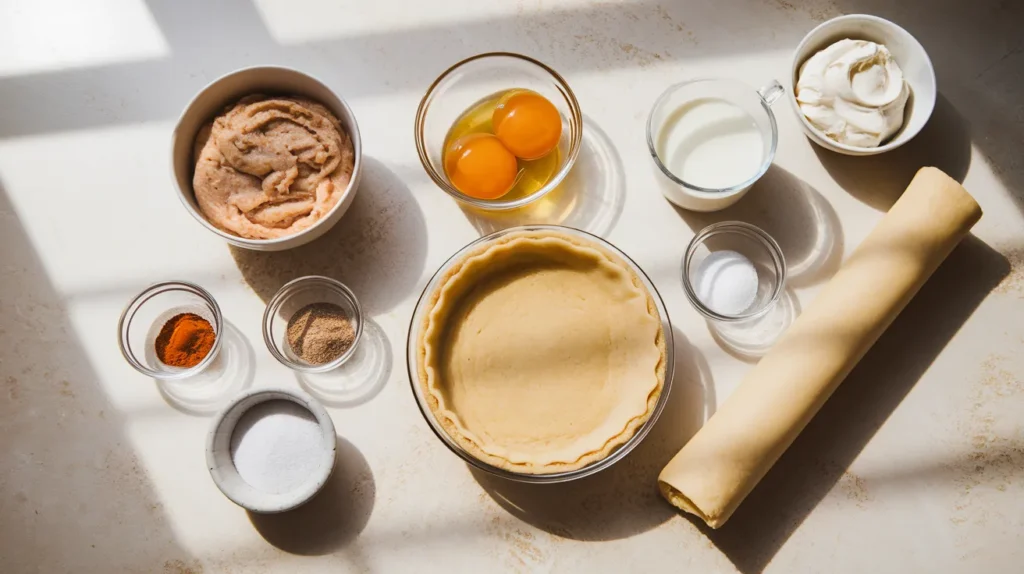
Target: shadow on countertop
879,180
776,321
333,518
591,197
980,78
361,378
233,371
810,468
377,249
623,500
796,215
67,446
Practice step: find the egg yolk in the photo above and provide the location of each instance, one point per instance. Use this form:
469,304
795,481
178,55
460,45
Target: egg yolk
527,123
479,166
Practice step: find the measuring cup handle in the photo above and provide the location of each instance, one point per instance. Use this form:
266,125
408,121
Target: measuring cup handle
771,92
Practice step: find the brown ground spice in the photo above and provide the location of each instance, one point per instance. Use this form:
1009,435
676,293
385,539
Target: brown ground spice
320,332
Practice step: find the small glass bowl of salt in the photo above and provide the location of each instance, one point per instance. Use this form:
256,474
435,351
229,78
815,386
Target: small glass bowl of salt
734,274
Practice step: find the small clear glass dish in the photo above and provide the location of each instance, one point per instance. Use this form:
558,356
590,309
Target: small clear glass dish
292,297
412,351
149,311
751,331
468,82
749,241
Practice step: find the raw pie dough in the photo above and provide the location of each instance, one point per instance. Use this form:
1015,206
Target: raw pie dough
271,167
541,353
723,462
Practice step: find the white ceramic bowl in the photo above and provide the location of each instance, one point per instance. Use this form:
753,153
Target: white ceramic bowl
228,89
909,54
222,467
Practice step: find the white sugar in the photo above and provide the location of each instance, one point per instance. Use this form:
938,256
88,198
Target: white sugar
277,446
726,282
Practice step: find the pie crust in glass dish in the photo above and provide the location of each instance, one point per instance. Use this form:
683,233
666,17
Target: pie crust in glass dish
541,352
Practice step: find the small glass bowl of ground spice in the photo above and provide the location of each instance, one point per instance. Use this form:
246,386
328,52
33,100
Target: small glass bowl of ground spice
171,330
312,324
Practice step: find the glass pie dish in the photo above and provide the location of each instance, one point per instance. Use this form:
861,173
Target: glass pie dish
413,350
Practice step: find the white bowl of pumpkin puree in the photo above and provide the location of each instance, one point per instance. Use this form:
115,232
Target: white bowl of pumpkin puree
268,158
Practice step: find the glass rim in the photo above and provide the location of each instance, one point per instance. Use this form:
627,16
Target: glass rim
765,164
575,141
615,456
749,230
283,294
128,314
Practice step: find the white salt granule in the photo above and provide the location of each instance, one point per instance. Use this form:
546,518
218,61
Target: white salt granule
277,446
726,282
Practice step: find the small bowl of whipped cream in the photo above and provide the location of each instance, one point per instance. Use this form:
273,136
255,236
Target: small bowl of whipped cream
862,85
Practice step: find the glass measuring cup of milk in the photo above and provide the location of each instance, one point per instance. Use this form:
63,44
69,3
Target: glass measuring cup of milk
712,139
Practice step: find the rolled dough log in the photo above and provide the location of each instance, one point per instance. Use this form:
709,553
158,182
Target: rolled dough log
723,462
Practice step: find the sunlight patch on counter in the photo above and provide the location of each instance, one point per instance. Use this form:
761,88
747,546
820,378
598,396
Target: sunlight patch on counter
66,189
302,21
89,33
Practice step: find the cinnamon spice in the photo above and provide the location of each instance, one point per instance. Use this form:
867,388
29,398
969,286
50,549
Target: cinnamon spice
185,340
320,333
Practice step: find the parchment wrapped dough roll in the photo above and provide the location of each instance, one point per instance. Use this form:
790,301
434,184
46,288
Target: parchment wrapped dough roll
723,462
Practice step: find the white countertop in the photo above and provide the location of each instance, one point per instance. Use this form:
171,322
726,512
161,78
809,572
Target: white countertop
915,465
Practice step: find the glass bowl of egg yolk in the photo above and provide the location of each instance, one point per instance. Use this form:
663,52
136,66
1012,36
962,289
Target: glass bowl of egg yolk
498,130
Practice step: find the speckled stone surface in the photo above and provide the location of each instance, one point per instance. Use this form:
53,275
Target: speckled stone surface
915,465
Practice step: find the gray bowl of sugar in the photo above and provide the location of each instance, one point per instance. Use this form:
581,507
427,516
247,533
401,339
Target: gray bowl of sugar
271,450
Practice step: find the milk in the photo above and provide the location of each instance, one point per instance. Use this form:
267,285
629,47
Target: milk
711,143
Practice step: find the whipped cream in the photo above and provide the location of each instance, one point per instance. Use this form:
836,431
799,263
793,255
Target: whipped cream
854,92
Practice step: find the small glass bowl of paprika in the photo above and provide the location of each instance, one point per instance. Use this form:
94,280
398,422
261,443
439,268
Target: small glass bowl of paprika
171,331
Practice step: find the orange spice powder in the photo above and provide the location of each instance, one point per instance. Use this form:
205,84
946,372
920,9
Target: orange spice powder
185,340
